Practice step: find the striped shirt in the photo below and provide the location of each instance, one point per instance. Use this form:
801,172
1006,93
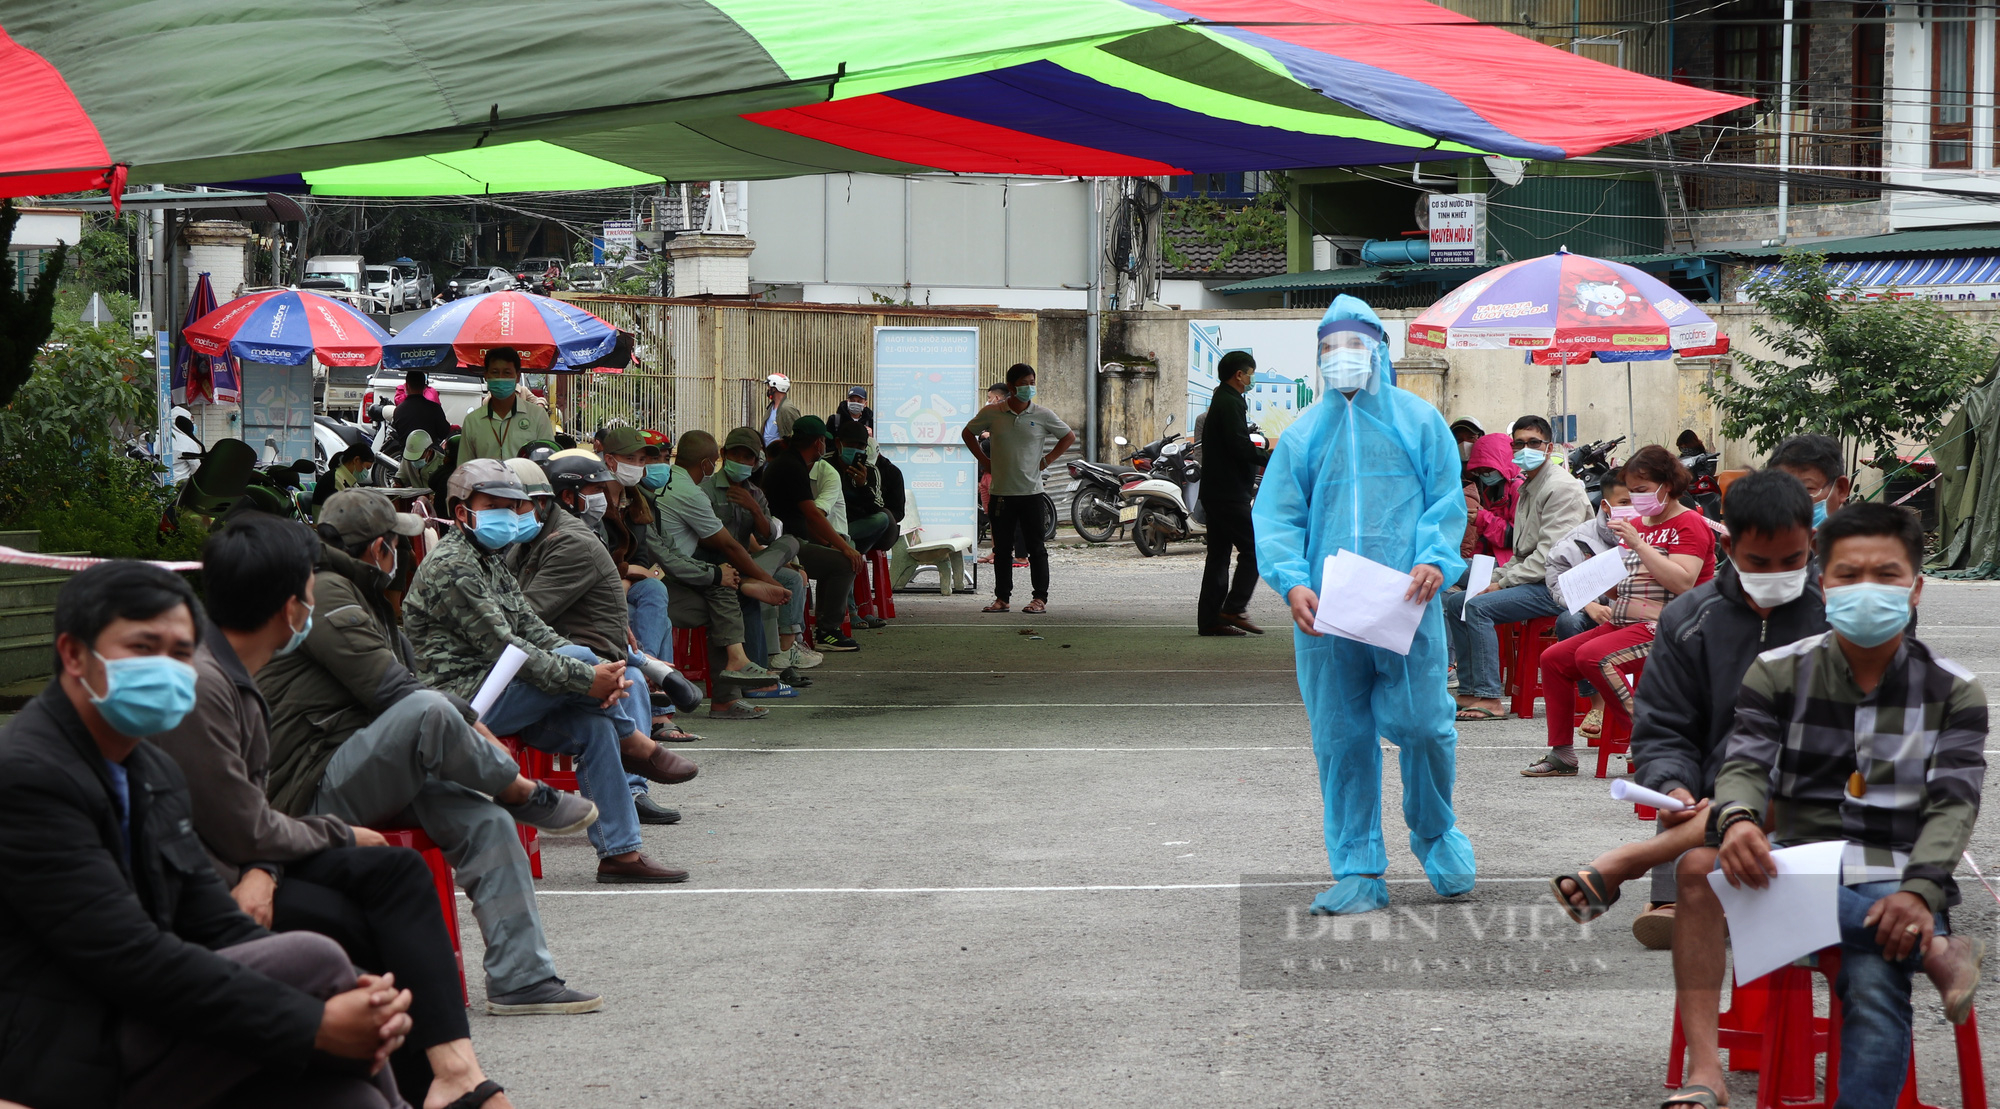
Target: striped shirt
1804,728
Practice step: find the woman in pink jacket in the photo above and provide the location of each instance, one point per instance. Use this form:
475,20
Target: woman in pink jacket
1493,485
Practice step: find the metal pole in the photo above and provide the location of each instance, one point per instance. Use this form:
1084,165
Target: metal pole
1631,415
1091,321
1785,128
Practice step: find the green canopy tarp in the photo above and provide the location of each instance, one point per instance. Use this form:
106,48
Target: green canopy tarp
1967,454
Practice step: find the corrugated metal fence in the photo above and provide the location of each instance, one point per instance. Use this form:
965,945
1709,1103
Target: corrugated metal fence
701,364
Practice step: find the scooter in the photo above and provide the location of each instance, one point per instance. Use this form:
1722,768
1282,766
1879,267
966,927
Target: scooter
1590,463
1157,505
1094,496
1705,493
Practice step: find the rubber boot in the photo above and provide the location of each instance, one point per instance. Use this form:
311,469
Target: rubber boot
1447,861
1356,893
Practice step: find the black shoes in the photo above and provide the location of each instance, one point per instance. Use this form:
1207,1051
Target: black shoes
652,812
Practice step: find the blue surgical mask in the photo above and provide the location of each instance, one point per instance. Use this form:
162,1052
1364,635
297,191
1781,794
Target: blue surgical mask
527,525
298,636
502,387
1346,369
1868,614
1024,392
848,455
1819,514
1529,459
494,528
736,472
658,475
1488,477
144,694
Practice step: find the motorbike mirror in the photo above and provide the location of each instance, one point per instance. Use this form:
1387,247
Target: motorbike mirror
1120,440
1170,419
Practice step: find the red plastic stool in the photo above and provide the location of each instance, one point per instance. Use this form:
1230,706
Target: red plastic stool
441,879
691,654
885,593
1616,738
1527,677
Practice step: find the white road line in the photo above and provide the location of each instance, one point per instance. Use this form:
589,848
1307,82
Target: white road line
1127,670
683,891
1064,705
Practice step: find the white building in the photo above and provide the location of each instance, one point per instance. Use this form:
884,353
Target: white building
1940,114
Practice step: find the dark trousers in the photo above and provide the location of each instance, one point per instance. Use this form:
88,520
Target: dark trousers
1228,528
164,1070
378,904
1004,515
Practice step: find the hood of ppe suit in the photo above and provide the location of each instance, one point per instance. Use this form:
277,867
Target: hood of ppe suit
1345,307
1378,474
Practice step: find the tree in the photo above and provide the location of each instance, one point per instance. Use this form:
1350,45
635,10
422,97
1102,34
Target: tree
1233,225
25,321
1866,371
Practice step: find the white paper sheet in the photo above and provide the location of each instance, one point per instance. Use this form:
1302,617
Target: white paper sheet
504,669
1592,578
1624,789
1477,579
1796,915
1361,599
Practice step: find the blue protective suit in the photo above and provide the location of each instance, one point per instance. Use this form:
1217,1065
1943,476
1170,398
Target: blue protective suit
1377,474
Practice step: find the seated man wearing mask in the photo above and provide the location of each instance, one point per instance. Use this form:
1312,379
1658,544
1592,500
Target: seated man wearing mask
1373,471
420,461
1549,503
465,607
746,515
824,554
572,584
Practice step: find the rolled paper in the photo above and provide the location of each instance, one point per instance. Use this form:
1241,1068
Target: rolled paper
1624,790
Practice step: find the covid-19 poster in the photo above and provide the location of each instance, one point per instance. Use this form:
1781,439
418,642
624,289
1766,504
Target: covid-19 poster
1287,366
926,388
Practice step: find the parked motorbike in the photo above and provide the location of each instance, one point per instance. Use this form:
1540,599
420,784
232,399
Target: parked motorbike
1590,462
1095,495
229,473
1164,506
1706,493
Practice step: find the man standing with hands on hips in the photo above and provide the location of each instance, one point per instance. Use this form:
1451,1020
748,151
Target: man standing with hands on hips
1020,429
1372,470
1228,481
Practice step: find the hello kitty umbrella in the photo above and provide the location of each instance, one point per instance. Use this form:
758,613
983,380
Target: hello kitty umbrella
1565,304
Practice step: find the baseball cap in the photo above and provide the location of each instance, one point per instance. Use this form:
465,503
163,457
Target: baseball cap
364,515
858,391
808,427
853,434
620,439
745,437
485,475
415,446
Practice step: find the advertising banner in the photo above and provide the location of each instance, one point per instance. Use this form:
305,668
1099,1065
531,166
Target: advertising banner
1458,229
926,387
278,411
1287,366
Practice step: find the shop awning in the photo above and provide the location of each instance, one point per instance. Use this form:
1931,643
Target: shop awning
1940,277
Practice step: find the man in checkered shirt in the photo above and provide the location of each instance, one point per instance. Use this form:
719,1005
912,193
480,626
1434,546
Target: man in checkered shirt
1864,734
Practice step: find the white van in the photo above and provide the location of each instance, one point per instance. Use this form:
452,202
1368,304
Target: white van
344,268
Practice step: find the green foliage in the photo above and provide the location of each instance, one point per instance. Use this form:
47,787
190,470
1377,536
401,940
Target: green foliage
24,320
1866,371
62,467
652,280
1233,225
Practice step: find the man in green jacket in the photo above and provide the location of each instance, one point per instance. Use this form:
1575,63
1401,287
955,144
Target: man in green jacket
508,421
355,735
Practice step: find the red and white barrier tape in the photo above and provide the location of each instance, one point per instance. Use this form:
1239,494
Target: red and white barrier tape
1981,877
1914,492
73,563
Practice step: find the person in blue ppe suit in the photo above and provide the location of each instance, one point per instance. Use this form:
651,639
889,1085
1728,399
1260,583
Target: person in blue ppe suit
1373,469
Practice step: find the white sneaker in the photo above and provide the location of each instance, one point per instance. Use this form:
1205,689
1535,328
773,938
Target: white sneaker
804,657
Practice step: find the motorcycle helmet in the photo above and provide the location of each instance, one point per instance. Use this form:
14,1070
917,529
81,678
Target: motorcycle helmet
574,471
779,382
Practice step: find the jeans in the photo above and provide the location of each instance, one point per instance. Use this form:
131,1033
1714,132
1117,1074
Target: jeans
1004,514
791,615
646,603
420,763
1874,997
1473,641
1570,625
574,724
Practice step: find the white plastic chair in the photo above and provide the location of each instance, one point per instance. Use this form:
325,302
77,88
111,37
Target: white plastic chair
913,551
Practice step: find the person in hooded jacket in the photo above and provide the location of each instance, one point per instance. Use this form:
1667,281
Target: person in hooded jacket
1370,468
1492,493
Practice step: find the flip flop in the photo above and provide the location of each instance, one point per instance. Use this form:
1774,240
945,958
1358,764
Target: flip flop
1593,723
478,1095
782,691
1591,883
1473,712
1687,1096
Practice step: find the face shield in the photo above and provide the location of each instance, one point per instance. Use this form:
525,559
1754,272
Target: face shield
1348,352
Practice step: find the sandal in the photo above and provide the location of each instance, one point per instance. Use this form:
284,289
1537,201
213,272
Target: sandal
1550,768
1035,607
1593,723
1476,713
478,1095
1694,1096
670,733
1590,882
996,606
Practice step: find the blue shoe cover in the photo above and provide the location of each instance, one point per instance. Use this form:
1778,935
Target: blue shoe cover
1356,893
1447,861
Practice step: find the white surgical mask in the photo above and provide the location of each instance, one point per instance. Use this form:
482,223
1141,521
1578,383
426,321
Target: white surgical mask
594,505
1772,590
628,474
855,407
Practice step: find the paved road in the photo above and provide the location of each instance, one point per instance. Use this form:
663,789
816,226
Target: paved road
979,868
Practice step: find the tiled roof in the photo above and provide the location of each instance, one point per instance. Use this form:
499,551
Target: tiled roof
1201,259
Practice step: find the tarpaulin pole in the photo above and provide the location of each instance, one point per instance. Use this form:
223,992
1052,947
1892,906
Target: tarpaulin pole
1092,322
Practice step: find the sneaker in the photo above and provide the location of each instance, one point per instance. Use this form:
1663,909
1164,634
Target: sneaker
652,812
804,657
553,811
834,641
751,674
549,995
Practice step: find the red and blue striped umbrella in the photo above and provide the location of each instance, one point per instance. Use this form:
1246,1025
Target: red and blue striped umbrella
1564,303
285,327
546,332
